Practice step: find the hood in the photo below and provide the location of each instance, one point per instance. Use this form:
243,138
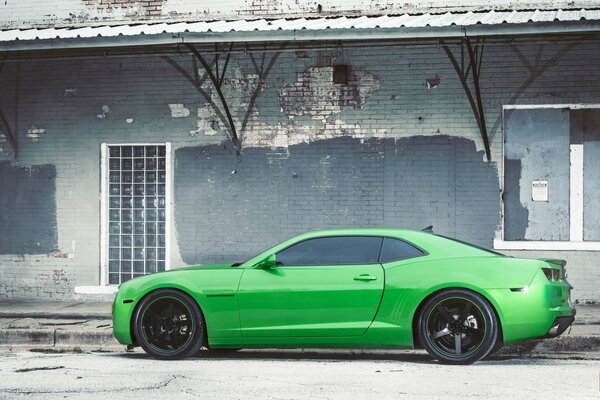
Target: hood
200,267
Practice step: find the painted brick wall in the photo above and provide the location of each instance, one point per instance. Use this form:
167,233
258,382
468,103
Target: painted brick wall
40,13
410,182
420,152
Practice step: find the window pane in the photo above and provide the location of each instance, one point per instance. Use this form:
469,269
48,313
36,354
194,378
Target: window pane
136,216
138,163
114,202
151,267
138,266
125,266
394,250
114,240
332,251
126,151
126,241
113,266
126,202
113,279
138,151
138,177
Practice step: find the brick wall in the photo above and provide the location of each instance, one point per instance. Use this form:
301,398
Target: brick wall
267,196
40,13
384,150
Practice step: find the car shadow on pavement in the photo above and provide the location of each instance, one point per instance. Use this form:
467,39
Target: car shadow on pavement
413,356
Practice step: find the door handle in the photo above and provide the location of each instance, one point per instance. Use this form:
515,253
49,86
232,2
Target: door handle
365,277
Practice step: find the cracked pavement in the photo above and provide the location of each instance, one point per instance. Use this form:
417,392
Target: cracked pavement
282,374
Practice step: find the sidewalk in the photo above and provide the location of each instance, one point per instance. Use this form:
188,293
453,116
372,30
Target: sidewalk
81,324
88,325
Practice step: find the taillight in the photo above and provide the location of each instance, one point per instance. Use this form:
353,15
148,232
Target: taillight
551,274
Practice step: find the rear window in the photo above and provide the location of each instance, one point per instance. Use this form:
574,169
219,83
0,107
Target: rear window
396,250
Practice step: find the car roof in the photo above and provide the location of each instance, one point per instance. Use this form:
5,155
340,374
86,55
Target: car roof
395,232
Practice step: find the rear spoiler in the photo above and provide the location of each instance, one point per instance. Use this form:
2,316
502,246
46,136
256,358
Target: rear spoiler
555,261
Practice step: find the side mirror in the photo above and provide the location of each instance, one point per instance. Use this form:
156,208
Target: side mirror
268,263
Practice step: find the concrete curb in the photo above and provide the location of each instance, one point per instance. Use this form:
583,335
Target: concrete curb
56,337
55,315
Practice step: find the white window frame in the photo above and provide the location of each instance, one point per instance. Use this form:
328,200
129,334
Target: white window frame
104,204
575,241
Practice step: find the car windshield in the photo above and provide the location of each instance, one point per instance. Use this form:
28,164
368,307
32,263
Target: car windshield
472,245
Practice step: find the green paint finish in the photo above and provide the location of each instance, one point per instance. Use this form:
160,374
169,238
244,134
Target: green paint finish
261,304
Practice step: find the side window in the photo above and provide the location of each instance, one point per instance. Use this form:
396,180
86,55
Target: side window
340,250
396,250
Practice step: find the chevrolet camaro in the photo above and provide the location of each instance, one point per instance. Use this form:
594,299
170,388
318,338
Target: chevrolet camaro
365,288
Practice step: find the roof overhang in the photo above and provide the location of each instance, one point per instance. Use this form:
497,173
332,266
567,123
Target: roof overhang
404,27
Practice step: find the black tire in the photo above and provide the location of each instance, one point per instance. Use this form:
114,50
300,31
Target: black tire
169,325
457,326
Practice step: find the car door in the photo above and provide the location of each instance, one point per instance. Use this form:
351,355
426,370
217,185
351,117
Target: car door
321,287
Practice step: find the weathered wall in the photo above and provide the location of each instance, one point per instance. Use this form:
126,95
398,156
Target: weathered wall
27,209
24,13
269,195
420,151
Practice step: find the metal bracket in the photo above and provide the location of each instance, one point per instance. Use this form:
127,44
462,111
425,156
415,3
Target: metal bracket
217,80
216,74
4,125
473,67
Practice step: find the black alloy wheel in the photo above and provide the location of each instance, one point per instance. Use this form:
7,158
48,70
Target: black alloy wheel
168,324
458,326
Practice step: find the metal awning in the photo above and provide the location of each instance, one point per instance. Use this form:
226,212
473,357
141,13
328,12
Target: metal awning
405,26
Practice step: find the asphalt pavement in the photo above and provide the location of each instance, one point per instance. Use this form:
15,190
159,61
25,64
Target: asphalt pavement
292,375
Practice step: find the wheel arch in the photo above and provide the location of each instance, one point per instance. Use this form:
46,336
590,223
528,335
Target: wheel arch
154,290
433,291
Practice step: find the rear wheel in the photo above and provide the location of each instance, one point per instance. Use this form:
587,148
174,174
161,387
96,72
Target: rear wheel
458,326
168,324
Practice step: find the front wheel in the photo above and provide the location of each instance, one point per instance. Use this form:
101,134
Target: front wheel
458,326
168,324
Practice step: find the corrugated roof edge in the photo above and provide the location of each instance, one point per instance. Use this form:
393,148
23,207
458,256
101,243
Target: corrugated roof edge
404,26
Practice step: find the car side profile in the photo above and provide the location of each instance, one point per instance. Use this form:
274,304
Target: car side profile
367,288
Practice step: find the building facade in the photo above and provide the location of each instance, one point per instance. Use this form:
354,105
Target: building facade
117,163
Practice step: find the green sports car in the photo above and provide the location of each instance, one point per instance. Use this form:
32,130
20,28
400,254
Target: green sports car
377,288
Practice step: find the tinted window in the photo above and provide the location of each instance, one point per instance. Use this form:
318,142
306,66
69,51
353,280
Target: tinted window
394,250
332,251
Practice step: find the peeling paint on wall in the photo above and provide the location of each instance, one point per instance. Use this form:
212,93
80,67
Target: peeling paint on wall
125,8
179,111
27,209
206,122
104,113
70,92
314,93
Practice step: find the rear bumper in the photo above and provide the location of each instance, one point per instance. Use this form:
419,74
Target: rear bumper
560,325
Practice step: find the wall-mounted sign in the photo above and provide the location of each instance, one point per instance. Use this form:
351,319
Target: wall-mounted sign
539,190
